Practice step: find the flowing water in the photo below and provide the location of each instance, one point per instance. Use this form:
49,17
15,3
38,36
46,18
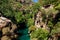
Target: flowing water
24,34
23,31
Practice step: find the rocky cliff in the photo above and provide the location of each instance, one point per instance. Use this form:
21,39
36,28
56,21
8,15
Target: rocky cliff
7,29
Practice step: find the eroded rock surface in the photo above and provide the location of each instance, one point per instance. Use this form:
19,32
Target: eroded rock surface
7,28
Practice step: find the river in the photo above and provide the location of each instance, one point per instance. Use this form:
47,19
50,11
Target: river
24,35
23,31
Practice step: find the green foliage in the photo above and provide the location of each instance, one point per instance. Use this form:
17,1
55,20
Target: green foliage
36,6
56,29
58,6
32,28
30,22
5,7
46,2
40,34
50,24
19,16
25,13
57,25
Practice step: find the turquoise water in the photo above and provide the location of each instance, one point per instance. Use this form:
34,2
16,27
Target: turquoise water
24,34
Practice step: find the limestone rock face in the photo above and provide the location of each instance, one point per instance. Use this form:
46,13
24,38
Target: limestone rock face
3,22
5,38
14,27
38,22
7,28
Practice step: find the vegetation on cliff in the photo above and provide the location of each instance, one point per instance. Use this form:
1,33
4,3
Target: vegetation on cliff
24,14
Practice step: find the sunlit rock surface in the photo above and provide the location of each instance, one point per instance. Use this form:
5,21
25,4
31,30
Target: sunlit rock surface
3,22
7,29
5,38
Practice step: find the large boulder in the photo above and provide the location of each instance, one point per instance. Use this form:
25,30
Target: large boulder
5,30
3,22
5,38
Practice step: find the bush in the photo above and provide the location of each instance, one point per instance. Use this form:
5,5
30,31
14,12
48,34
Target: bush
41,34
